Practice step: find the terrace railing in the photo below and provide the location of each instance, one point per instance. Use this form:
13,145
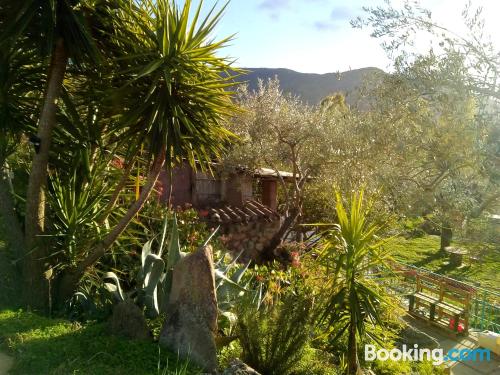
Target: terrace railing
484,309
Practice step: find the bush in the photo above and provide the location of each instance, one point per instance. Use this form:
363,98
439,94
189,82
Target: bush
390,367
316,362
273,338
483,230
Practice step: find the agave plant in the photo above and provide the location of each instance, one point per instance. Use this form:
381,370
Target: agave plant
154,280
154,277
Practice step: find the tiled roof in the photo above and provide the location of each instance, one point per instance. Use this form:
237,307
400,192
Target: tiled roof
251,211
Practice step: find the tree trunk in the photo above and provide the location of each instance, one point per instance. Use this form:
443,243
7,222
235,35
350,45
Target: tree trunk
13,232
446,235
69,280
268,251
33,262
352,355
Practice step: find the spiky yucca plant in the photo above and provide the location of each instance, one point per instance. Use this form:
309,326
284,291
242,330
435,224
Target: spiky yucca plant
350,251
173,102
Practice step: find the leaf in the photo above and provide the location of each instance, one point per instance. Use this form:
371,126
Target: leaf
223,279
238,274
163,235
146,250
174,247
114,287
231,318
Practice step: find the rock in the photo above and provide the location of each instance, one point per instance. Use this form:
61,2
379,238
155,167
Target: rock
191,323
237,367
128,321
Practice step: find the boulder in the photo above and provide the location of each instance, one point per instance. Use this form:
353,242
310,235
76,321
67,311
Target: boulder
191,323
128,321
237,367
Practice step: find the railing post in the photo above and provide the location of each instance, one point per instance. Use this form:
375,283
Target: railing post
483,311
476,311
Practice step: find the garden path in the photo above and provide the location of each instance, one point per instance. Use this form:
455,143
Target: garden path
450,341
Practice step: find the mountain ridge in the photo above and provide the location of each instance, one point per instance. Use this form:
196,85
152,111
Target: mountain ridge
313,87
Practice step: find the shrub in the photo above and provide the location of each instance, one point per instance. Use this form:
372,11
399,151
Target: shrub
390,367
273,338
316,362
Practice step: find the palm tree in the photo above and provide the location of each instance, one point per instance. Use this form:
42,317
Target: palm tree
175,101
20,77
351,250
59,31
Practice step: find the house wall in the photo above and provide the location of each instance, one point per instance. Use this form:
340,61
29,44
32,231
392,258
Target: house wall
237,189
182,185
251,238
206,190
202,190
270,194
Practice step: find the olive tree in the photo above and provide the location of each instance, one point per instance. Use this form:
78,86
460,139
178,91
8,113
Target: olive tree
458,81
278,131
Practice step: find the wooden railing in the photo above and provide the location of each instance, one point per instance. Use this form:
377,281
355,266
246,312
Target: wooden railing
483,307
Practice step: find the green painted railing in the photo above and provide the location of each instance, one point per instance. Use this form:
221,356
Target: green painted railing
484,309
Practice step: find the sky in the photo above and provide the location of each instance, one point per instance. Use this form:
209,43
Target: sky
315,36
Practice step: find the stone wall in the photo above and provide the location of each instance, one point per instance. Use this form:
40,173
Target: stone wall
251,238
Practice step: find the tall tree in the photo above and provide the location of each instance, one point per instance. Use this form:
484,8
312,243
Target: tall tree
58,30
461,68
280,132
175,103
20,76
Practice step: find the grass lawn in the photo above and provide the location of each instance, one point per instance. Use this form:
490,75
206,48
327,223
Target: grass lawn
40,345
424,252
50,346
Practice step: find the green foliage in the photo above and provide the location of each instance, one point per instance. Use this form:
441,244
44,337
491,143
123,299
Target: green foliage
426,367
154,279
227,353
316,362
350,253
412,227
318,202
49,346
448,98
173,66
391,367
19,80
483,229
273,337
424,252
44,23
155,275
77,202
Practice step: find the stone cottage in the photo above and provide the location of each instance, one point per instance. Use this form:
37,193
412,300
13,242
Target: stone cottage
243,203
